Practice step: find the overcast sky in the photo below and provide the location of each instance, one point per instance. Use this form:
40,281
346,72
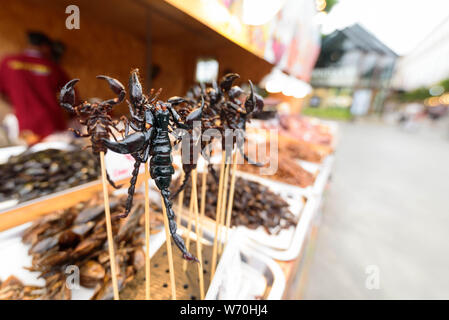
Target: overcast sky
400,24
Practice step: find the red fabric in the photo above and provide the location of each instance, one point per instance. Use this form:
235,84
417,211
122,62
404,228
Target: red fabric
31,84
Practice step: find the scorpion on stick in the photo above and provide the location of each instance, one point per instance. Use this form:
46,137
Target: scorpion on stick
151,139
95,116
224,111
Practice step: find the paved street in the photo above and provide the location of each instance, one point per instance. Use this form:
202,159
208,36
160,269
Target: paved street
387,207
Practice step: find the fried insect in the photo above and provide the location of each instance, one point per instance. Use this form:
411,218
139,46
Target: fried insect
80,235
151,139
35,174
255,205
224,112
95,116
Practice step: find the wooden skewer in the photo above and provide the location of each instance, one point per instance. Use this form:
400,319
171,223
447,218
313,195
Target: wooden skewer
217,214
198,234
147,233
223,207
109,228
180,201
203,196
231,197
189,227
169,252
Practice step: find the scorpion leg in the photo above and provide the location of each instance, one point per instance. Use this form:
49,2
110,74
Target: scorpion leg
79,134
154,98
129,200
126,124
108,129
114,125
173,227
111,182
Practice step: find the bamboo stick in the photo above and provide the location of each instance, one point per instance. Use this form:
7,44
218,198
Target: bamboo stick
217,214
169,252
231,198
203,196
198,234
189,227
223,207
147,234
109,228
180,200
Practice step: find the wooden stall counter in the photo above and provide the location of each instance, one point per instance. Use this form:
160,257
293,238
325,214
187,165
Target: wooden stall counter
33,209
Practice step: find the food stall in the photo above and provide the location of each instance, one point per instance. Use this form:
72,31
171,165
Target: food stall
52,204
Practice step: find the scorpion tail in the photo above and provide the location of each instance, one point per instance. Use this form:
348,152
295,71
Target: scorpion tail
129,200
183,185
173,227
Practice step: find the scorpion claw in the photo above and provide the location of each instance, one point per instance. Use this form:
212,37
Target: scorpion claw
67,95
251,100
174,101
197,113
135,88
130,144
116,87
227,81
254,101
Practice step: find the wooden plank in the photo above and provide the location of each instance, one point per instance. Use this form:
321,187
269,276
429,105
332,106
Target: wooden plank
33,209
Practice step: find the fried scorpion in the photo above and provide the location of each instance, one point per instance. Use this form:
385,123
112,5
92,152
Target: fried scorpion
95,116
152,139
224,111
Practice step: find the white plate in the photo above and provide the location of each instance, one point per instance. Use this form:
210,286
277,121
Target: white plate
243,274
7,152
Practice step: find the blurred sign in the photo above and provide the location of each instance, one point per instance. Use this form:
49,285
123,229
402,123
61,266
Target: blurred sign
335,77
206,70
120,166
